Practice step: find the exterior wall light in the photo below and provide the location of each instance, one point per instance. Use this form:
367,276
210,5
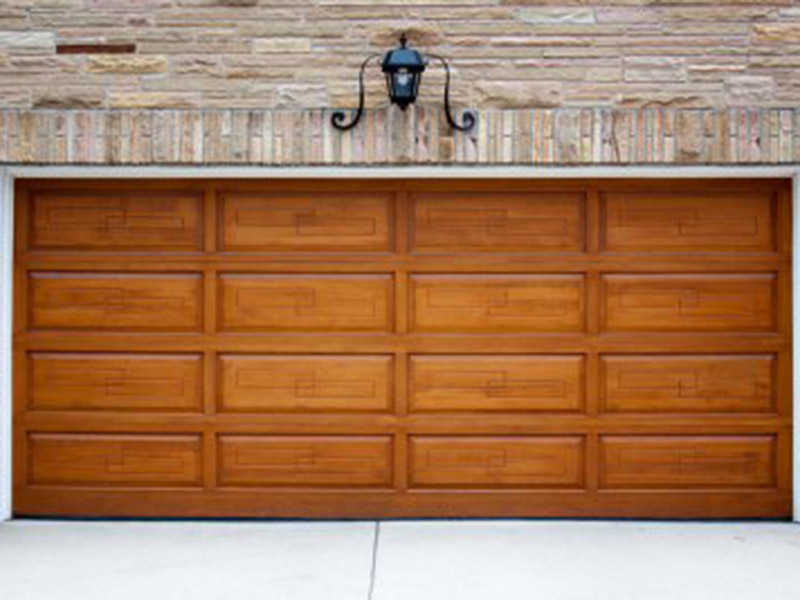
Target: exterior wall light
403,68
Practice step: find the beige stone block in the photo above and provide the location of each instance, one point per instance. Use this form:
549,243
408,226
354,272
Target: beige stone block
777,33
652,69
68,98
282,45
152,100
662,99
516,94
300,95
109,63
419,34
750,90
689,136
27,39
548,15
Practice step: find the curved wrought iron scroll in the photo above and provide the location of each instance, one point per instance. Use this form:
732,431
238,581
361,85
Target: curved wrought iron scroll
338,117
469,118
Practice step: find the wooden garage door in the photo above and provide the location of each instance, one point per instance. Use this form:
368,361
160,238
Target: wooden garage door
396,348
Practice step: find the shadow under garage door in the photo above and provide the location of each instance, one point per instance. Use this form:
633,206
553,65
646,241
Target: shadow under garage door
403,348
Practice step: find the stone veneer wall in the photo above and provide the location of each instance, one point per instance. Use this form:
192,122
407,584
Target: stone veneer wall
304,53
388,136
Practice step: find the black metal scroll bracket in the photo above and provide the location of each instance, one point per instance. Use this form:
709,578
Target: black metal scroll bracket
338,117
469,118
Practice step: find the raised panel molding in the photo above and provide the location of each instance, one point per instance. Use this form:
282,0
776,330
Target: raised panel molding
688,383
140,460
297,383
316,461
707,302
116,301
117,221
498,303
646,462
497,461
303,303
522,222
304,222
107,381
689,222
497,383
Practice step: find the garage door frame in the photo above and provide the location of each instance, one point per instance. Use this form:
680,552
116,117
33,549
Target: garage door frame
9,174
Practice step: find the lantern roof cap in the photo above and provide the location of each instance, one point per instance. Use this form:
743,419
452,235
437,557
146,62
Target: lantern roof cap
403,57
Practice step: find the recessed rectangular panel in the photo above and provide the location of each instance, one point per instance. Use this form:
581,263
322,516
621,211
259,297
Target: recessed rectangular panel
689,222
302,303
116,301
497,303
498,222
687,383
497,383
305,383
496,462
115,382
123,460
724,461
707,302
306,461
117,221
329,221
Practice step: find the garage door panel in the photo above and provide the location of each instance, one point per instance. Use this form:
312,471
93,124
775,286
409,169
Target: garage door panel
116,301
305,383
139,460
686,383
686,222
498,303
394,348
497,383
306,461
496,462
116,221
644,462
709,302
306,222
498,222
303,303
115,382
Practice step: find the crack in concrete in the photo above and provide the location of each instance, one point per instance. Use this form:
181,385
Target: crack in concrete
374,565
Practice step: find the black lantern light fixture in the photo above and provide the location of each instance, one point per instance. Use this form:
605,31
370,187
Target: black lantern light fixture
403,68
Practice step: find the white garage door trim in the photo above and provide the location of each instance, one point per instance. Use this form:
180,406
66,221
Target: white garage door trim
9,174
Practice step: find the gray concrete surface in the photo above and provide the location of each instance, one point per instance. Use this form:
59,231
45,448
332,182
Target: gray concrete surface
408,560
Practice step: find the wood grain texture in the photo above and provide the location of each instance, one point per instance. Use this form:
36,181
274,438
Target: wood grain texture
115,382
448,222
305,383
713,384
489,462
689,222
497,383
305,461
393,348
306,222
710,302
307,302
115,301
498,303
114,460
680,462
93,220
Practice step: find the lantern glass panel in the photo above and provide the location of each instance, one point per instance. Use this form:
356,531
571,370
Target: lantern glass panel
403,86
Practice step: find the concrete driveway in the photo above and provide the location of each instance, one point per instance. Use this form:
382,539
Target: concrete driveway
408,560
